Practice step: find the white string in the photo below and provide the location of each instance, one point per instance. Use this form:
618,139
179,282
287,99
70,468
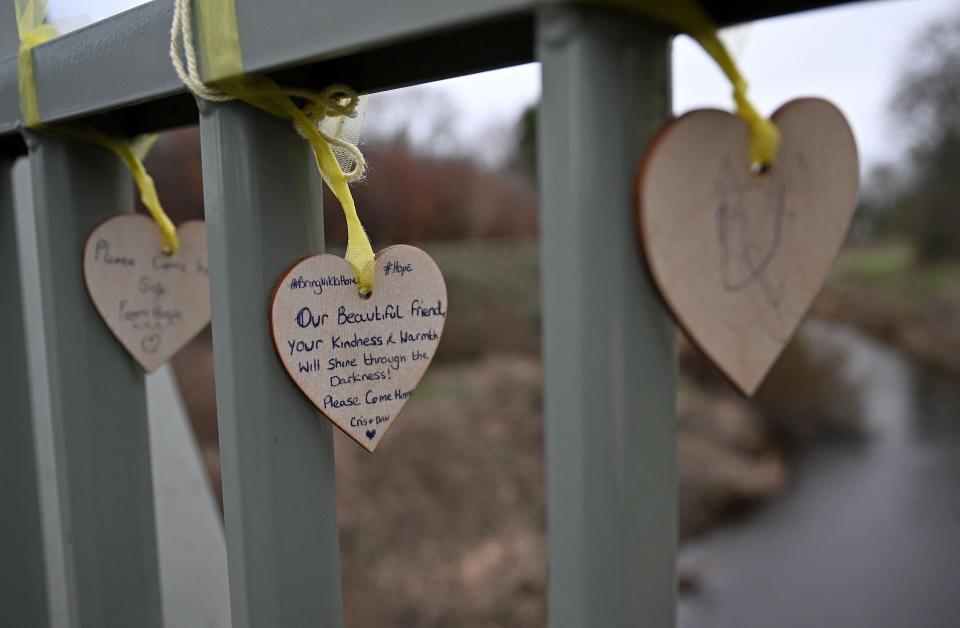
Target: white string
181,36
337,101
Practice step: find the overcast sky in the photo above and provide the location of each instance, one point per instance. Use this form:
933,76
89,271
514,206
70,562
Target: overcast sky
851,55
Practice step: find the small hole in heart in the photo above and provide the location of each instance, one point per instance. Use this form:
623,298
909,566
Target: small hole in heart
364,295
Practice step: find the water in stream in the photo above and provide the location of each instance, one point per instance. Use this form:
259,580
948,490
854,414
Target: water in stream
868,535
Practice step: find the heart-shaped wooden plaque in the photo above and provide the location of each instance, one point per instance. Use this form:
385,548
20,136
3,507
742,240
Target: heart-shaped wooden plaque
358,360
152,302
739,256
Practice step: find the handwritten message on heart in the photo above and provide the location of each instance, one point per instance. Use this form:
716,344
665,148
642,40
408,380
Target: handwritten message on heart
739,256
152,302
358,360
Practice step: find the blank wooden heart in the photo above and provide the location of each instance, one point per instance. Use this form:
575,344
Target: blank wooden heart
739,256
152,302
359,360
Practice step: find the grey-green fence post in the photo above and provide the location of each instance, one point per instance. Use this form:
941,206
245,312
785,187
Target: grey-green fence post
23,601
97,398
279,494
608,343
22,573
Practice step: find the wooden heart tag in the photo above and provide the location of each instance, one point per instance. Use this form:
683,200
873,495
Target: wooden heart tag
152,302
359,360
739,256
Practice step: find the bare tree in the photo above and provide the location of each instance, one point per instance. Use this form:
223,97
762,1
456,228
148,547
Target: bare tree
928,101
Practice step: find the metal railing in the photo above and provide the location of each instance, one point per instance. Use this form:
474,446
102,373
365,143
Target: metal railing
608,343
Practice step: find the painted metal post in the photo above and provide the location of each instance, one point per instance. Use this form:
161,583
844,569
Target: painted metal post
22,573
608,343
97,398
279,493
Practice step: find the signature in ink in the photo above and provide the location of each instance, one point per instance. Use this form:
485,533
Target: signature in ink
749,223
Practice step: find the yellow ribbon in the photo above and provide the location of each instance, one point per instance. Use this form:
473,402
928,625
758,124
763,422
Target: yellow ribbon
262,92
128,154
223,68
33,32
220,37
689,17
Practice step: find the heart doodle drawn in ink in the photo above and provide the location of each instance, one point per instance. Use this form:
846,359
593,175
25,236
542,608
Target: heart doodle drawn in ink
749,221
151,343
371,434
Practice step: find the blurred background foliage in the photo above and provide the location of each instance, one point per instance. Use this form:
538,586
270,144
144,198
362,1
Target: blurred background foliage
918,200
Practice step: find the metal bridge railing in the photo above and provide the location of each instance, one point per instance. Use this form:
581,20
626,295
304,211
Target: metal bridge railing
608,343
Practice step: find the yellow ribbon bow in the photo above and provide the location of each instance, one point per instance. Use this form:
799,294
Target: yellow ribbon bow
311,112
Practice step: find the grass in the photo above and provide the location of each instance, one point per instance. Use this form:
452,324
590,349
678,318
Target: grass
883,290
875,264
433,388
494,288
891,269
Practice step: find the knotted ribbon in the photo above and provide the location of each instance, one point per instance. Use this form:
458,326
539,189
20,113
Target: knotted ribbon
319,117
33,32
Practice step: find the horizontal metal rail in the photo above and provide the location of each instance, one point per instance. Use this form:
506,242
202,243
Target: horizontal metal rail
121,64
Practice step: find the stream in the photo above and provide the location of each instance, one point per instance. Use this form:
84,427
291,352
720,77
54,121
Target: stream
868,533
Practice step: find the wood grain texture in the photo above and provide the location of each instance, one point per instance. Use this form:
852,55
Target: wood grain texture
152,302
739,256
359,360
